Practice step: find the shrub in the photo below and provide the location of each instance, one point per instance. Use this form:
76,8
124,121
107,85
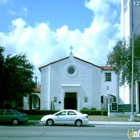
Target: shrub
104,112
93,108
91,112
85,108
39,112
88,108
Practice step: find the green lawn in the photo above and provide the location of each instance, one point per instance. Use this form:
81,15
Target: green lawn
94,118
35,117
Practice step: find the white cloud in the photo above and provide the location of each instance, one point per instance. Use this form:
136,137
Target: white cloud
102,8
3,1
24,11
42,45
11,12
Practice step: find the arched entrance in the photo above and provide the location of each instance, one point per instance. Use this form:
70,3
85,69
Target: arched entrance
107,99
34,102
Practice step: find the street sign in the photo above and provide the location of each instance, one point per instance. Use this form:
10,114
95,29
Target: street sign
114,106
121,107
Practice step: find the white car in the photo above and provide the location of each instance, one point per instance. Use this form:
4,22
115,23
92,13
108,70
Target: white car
65,117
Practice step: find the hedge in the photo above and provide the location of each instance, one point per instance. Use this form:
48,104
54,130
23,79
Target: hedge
94,112
39,112
91,112
46,112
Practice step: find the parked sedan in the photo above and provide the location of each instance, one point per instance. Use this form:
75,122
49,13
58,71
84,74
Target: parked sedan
65,117
13,116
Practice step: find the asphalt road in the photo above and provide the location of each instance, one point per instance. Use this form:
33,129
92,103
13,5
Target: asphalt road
87,132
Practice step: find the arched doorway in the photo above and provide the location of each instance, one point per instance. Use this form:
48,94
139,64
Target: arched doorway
107,99
34,102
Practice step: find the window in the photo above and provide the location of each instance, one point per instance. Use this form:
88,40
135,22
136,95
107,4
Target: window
71,70
71,113
107,87
102,99
107,77
62,113
85,99
8,112
55,99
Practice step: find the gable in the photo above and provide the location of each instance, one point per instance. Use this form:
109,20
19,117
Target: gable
101,67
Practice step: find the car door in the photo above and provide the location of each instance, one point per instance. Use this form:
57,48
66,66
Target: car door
71,117
8,115
60,118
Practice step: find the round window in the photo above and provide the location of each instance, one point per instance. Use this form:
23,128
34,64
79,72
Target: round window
71,70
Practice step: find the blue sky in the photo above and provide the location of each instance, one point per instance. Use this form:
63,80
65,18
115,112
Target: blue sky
57,12
44,30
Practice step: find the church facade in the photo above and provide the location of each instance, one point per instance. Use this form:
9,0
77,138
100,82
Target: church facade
73,83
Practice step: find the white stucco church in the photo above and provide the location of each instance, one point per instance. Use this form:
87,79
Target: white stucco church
73,83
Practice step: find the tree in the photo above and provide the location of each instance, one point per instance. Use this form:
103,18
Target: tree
121,59
16,77
1,65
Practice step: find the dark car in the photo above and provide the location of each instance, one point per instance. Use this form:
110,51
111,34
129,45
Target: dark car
13,116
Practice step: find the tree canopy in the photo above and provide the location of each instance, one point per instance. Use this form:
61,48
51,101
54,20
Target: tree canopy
16,76
121,59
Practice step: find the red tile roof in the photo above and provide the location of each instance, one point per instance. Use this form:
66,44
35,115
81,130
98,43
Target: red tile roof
107,68
38,89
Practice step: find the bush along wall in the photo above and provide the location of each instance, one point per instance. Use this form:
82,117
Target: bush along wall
94,112
91,112
39,112
46,112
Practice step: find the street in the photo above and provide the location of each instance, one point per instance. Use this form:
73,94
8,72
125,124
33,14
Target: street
87,132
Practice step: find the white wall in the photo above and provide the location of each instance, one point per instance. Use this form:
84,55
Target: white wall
109,88
127,18
112,85
45,88
87,77
124,94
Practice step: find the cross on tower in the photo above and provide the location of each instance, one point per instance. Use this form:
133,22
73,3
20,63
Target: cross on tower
71,49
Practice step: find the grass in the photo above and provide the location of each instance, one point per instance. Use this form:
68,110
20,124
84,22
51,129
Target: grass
94,118
35,117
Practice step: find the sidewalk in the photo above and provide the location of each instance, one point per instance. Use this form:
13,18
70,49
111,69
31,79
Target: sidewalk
113,123
101,123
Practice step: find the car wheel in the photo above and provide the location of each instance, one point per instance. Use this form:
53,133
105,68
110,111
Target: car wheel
15,122
50,122
78,123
